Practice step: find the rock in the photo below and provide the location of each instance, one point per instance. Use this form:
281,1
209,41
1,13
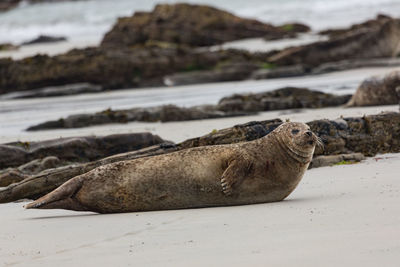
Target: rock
74,149
284,98
357,63
45,39
238,133
11,177
368,135
14,175
8,46
289,30
377,91
323,161
62,90
138,66
8,4
378,21
237,105
151,114
194,25
369,40
231,72
398,92
279,72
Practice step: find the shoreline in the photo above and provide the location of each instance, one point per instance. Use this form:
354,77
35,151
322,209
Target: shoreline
18,115
190,129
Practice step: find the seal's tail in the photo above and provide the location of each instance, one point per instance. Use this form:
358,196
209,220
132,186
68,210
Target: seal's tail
61,198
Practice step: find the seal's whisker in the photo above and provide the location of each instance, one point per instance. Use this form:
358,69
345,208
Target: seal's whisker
320,143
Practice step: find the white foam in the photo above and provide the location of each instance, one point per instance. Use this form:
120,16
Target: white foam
93,18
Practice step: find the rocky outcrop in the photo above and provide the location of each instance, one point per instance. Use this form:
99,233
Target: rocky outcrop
289,30
74,149
367,135
284,98
377,39
62,90
377,91
342,159
234,71
151,114
112,68
376,22
194,25
45,39
8,47
14,175
10,4
236,105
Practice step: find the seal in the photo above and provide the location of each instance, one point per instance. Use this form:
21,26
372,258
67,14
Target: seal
264,170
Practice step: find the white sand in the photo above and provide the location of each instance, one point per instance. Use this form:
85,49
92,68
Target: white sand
338,216
50,49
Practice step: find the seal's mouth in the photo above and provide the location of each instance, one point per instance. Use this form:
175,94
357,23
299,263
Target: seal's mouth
311,142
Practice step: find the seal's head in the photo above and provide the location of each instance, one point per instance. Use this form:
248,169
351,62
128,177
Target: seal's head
298,139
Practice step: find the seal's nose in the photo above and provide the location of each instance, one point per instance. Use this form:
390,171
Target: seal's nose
309,133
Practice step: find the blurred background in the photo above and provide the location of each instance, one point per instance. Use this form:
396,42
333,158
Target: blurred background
88,21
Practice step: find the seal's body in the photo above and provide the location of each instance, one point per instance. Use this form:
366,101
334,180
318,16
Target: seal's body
263,170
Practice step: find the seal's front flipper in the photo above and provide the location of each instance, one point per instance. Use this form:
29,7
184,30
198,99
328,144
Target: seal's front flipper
238,169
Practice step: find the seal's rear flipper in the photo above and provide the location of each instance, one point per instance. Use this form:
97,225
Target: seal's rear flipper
61,198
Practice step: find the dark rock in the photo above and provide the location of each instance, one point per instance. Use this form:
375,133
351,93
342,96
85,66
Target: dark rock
323,161
8,4
194,25
63,90
280,72
285,98
231,72
289,30
14,175
152,114
8,46
11,176
74,149
112,68
45,39
370,40
378,21
238,133
236,105
368,135
377,91
355,63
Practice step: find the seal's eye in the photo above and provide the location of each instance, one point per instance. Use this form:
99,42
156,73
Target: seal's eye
295,131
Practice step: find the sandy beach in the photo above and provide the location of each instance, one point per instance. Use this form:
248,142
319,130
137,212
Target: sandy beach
338,216
347,214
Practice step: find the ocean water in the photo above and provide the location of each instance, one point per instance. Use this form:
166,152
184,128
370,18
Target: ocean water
89,20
